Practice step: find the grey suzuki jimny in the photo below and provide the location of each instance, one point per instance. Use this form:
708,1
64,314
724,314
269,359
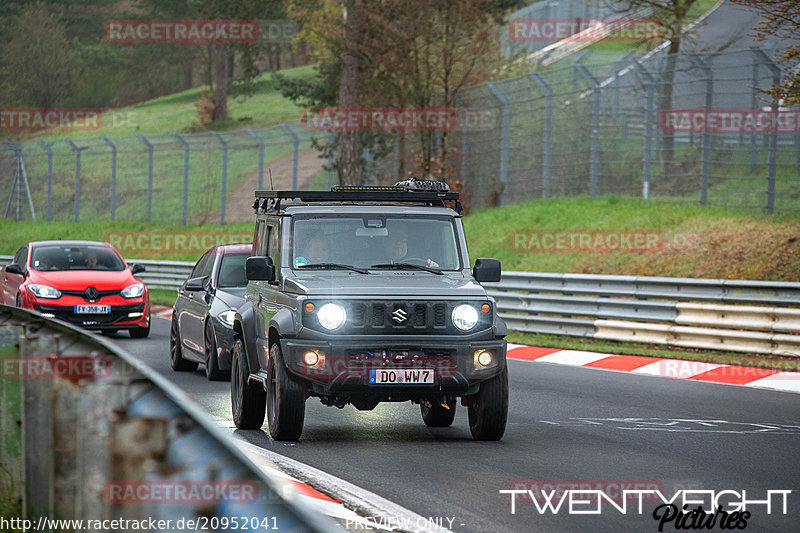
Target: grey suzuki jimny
364,295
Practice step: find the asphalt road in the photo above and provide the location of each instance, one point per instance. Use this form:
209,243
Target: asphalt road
564,424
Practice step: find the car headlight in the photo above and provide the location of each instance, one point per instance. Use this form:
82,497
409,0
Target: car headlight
226,317
44,291
132,291
465,317
331,316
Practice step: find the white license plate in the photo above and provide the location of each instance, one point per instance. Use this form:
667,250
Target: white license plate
92,309
411,376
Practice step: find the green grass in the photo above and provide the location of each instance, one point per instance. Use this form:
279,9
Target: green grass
176,112
654,350
697,241
163,297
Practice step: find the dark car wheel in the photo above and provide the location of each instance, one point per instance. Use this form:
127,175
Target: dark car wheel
19,301
140,333
488,410
176,360
437,416
248,401
286,408
213,373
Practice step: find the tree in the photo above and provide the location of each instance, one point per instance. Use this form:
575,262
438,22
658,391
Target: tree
673,16
782,20
39,64
350,144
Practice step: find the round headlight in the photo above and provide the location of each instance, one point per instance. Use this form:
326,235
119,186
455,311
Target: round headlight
331,316
465,317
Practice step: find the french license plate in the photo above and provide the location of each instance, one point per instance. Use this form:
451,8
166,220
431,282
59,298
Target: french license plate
391,376
92,309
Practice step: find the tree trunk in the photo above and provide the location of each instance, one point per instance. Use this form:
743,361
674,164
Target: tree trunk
665,101
231,67
350,146
220,83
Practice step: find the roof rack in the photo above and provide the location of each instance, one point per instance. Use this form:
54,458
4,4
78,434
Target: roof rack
404,192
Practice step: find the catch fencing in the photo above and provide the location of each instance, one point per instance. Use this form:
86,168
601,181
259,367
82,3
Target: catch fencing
89,432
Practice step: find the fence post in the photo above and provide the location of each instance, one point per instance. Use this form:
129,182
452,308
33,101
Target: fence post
113,175
753,104
149,175
260,157
595,146
185,176
548,128
223,195
615,101
772,137
503,138
296,149
49,151
706,154
330,160
648,126
77,151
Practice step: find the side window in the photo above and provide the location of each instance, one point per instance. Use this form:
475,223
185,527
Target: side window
208,267
21,258
261,238
199,266
272,243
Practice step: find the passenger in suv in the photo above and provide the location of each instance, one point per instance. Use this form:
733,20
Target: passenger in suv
386,324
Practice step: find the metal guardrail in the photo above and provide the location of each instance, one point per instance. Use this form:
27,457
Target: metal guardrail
731,315
623,307
74,434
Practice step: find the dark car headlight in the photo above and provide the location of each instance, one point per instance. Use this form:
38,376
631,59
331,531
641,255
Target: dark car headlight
226,317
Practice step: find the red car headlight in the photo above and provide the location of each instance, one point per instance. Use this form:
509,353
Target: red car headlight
44,291
133,291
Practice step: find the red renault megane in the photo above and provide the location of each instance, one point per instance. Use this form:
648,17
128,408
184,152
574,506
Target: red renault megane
84,283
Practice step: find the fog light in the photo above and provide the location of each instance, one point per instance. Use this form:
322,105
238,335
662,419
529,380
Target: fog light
311,358
48,315
134,315
483,357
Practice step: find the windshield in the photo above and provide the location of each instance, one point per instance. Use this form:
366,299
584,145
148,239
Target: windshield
376,241
70,257
232,271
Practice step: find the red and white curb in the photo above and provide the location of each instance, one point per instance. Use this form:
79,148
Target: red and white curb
373,511
666,368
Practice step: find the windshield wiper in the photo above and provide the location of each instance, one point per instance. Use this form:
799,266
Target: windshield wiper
331,266
402,266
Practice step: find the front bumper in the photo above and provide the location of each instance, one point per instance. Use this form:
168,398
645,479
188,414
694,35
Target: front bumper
344,365
118,318
225,337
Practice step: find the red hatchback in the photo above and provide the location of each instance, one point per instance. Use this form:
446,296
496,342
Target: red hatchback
85,283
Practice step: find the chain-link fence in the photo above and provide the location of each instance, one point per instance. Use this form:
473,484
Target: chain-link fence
169,178
691,128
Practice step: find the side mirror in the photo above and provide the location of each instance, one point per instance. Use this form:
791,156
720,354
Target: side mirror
260,268
13,268
136,268
196,284
486,270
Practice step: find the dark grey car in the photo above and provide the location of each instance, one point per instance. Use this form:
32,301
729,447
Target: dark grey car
202,317
365,295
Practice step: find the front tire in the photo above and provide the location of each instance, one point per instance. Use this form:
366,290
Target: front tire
286,406
176,360
248,402
213,373
437,416
488,409
140,333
